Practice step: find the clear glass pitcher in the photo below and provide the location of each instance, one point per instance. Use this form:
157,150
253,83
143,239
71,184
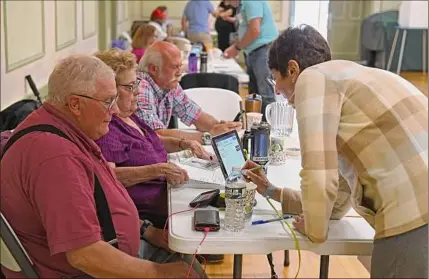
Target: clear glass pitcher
280,116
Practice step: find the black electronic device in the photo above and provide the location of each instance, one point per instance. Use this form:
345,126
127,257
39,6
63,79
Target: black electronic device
206,219
205,199
238,116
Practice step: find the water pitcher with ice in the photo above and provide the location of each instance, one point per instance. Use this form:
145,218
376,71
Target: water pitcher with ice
280,116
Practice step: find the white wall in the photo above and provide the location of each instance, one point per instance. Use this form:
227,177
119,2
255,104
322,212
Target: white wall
35,34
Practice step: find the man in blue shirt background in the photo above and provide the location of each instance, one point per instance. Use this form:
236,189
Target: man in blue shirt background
256,31
195,21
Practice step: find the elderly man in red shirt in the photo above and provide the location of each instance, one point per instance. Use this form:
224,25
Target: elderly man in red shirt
47,185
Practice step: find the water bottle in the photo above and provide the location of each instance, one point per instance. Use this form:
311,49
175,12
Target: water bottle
235,195
192,63
260,143
203,62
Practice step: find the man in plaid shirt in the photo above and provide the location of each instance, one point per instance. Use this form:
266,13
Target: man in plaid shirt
364,142
160,97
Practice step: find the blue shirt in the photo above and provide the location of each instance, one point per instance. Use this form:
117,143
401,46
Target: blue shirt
197,12
253,9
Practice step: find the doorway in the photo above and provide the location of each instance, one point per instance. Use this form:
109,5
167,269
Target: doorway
314,13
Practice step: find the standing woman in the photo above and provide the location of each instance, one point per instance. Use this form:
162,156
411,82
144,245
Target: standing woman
144,37
225,24
364,143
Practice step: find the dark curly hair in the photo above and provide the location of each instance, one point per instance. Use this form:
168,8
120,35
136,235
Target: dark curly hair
304,44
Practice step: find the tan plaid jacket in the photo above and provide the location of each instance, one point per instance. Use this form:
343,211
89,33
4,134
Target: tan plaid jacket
369,127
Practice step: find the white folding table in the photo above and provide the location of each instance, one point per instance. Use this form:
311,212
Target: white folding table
351,235
224,66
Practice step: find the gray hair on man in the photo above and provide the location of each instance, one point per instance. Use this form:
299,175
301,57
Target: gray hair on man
152,56
76,74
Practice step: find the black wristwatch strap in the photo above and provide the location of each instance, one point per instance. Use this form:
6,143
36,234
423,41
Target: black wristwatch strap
146,224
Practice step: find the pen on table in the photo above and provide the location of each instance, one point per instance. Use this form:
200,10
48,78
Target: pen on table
260,222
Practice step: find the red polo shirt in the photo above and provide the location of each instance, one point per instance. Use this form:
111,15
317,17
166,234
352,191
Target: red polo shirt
47,195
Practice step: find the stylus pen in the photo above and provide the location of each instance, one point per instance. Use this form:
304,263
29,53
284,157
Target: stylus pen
260,222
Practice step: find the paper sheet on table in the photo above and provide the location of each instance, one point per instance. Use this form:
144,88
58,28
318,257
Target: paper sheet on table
200,178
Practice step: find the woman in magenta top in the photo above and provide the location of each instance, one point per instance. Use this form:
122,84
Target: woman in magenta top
144,37
135,151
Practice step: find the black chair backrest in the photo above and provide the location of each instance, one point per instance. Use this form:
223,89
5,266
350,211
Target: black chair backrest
213,80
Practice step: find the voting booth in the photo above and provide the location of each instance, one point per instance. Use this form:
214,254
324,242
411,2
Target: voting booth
413,17
413,14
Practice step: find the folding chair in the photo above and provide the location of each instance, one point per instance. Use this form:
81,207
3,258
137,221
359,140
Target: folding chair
13,255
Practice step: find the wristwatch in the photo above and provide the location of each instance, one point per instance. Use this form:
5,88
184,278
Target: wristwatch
269,193
146,224
207,138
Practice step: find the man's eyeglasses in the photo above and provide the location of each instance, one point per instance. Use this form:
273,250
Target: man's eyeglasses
108,104
131,87
271,80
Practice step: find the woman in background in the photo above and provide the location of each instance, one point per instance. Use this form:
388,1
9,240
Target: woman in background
225,25
158,19
144,37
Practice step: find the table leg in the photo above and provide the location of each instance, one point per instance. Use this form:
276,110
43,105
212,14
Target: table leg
238,264
286,261
424,50
324,266
401,52
392,50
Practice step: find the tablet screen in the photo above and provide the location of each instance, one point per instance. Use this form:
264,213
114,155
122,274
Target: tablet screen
229,152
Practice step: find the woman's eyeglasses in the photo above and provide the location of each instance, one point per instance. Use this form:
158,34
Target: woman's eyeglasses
131,87
271,80
108,104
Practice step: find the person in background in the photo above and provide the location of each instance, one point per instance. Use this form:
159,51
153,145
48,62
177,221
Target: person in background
257,30
195,21
48,197
361,127
225,24
144,37
160,97
158,19
136,153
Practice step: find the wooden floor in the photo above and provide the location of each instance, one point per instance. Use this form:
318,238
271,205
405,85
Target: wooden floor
256,266
419,80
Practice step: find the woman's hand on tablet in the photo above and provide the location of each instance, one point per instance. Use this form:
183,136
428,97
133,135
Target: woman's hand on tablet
198,150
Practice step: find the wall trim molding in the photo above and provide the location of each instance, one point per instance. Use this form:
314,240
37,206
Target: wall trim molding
125,11
92,33
72,41
26,60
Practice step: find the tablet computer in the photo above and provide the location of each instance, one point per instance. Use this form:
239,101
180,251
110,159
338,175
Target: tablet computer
229,152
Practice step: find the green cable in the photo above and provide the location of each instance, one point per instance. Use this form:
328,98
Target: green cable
293,234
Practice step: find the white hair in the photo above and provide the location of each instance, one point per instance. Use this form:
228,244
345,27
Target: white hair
151,56
76,74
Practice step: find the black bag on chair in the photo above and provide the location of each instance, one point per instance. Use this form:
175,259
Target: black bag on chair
14,114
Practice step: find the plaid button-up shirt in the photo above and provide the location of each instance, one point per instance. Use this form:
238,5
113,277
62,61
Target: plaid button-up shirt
368,129
156,106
